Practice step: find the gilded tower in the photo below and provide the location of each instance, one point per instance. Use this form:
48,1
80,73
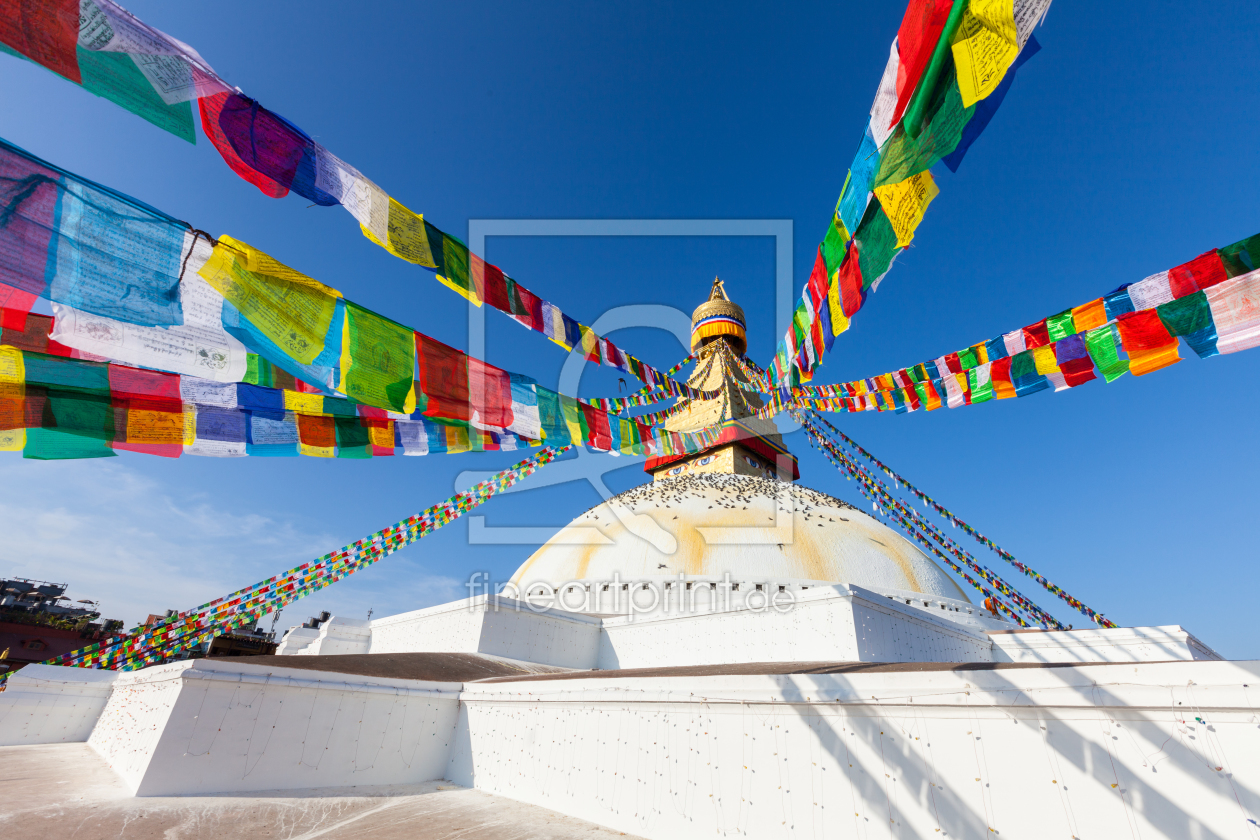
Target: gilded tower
747,445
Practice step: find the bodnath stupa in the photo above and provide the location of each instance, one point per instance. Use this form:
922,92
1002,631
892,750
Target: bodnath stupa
728,515
720,651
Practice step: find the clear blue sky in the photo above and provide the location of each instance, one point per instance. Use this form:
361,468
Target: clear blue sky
1124,148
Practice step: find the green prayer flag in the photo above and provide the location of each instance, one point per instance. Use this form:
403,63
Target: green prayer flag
115,76
877,244
979,392
903,156
833,245
1061,325
353,439
1241,257
55,445
378,360
967,358
1101,344
1186,315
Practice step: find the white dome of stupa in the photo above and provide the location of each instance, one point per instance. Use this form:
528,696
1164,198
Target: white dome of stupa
707,525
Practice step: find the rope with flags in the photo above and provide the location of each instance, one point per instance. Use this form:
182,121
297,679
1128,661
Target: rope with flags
153,644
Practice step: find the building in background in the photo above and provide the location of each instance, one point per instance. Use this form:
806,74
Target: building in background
38,621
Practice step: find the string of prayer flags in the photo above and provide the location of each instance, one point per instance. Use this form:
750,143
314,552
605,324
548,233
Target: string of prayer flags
927,500
58,407
1211,302
948,70
154,643
109,51
133,286
883,501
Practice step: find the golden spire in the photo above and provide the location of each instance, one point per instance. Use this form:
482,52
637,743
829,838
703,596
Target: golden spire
718,317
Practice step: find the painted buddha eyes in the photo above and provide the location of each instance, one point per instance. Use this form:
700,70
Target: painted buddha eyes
707,459
677,470
752,462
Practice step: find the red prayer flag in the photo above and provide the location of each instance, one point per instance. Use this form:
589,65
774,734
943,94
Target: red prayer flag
850,278
489,394
45,31
1202,272
34,337
953,363
597,423
1036,335
527,307
818,285
15,304
443,379
1000,375
916,40
1147,341
496,293
1077,371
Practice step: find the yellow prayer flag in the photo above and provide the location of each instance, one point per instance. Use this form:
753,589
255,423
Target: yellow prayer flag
12,368
905,203
12,440
317,451
839,321
286,306
407,237
1044,359
984,47
312,404
383,435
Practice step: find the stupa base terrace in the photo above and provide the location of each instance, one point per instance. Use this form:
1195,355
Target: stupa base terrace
856,713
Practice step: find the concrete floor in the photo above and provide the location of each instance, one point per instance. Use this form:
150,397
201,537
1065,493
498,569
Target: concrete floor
67,792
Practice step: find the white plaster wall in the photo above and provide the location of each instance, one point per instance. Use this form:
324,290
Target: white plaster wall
233,727
1121,644
492,625
46,704
339,635
566,640
835,623
887,631
128,730
449,628
296,640
1145,750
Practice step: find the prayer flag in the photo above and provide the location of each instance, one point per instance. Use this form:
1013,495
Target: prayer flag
378,361
1191,318
920,29
984,46
1101,344
1147,342
1235,306
1202,272
45,31
906,202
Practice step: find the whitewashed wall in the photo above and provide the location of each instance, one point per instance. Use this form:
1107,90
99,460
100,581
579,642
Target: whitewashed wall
496,626
225,726
45,704
339,635
835,623
134,719
1145,750
1120,644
